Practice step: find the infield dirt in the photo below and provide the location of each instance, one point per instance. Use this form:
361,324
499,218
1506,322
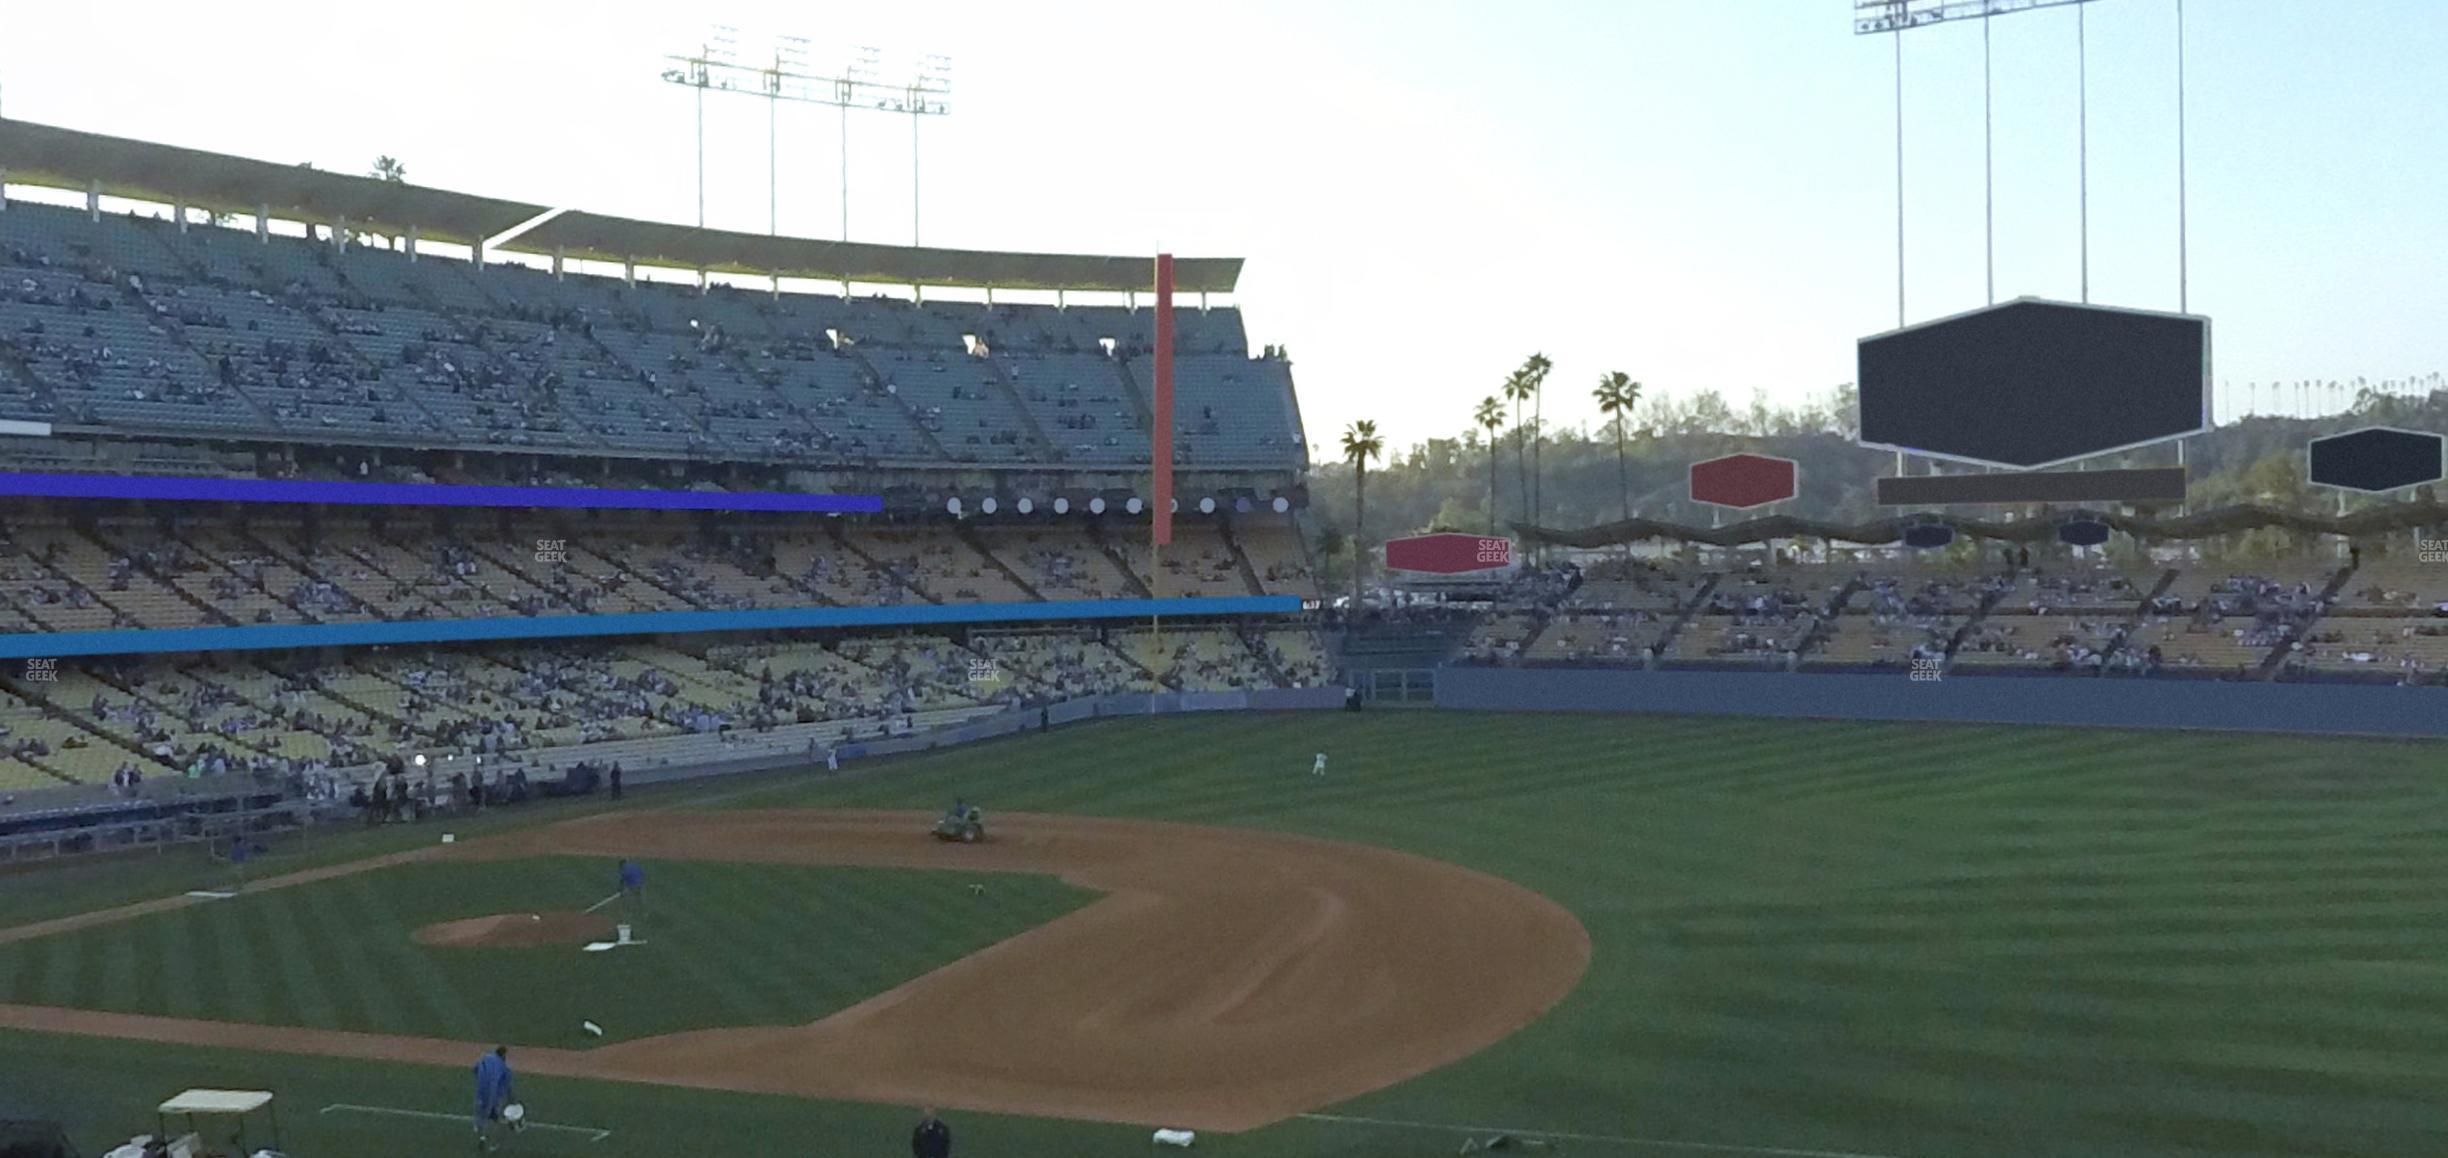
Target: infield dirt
1227,979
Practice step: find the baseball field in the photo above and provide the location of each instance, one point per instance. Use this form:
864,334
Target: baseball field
1615,935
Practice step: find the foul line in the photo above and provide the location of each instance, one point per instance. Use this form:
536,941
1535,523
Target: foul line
1569,1136
593,1134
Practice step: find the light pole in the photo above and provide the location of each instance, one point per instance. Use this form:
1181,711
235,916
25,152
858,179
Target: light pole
861,70
929,92
924,89
1895,18
698,72
789,56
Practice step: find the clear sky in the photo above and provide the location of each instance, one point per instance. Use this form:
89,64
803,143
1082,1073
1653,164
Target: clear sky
1700,194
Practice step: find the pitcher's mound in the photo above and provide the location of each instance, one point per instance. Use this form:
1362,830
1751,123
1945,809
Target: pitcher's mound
517,931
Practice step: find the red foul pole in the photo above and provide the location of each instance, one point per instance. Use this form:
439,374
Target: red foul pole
1160,432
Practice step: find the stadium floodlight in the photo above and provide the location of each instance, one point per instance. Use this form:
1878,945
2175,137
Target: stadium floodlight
1898,16
919,86
1875,16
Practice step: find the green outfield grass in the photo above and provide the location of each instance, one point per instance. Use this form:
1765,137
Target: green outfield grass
1878,939
729,944
81,884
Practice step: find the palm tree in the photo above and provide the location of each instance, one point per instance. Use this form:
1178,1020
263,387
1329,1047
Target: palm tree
1517,390
1360,444
388,168
1617,394
1490,415
1535,368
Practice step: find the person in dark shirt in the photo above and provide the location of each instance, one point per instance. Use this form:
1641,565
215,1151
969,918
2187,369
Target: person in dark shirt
932,1139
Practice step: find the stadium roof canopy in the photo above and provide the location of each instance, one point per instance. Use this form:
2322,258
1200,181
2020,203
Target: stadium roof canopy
594,237
143,171
47,155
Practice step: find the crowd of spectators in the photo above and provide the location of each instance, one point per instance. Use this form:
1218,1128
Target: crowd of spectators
348,566
514,707
200,330
2099,620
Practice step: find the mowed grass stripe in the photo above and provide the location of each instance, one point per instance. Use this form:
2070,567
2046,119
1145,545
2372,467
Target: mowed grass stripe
2055,1005
362,995
233,980
173,942
63,973
714,990
299,958
892,925
725,904
127,975
784,940
1971,769
417,980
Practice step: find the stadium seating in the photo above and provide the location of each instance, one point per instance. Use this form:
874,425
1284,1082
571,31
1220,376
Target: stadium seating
1199,564
130,325
558,702
124,572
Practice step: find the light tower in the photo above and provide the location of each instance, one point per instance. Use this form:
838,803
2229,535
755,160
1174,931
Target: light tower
1896,17
920,87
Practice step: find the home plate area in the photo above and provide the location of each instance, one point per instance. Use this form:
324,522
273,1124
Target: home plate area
621,939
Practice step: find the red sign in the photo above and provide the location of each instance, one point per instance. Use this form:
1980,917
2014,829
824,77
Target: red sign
1743,481
1448,554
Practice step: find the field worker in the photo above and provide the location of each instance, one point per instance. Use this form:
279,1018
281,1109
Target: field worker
492,1092
932,1139
1319,768
632,888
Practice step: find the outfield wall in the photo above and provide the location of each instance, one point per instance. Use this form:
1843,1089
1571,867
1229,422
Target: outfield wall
1019,720
2332,709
